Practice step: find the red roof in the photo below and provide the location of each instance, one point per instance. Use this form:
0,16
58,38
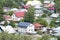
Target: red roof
7,16
26,6
37,25
20,14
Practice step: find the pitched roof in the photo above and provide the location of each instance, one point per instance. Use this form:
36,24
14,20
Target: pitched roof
37,25
20,14
7,17
26,6
24,24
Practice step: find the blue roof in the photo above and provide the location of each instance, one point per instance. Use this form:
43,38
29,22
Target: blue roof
24,24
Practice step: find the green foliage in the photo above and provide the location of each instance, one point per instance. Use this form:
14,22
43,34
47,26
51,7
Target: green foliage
44,15
1,18
12,23
45,37
58,37
52,23
41,1
5,36
8,3
48,13
59,17
57,5
42,21
6,23
39,32
29,16
1,11
10,13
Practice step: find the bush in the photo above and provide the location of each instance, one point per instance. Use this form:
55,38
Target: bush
42,21
12,24
52,23
44,16
45,37
39,32
5,36
58,37
6,23
10,13
1,18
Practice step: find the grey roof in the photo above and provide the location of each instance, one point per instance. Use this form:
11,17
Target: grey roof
24,24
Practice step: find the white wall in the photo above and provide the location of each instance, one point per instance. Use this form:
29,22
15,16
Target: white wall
30,28
21,29
14,18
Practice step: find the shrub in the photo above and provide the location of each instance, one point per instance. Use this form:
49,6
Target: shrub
6,23
5,36
12,24
39,32
44,16
45,37
10,13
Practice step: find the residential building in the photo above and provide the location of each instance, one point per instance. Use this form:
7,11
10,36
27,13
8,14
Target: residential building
17,16
25,27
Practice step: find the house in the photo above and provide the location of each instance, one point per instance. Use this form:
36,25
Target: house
7,17
37,7
14,9
17,16
54,15
38,13
48,3
26,6
23,10
38,26
51,9
34,3
6,9
25,27
7,29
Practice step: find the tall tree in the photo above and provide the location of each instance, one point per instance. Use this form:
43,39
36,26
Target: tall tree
29,16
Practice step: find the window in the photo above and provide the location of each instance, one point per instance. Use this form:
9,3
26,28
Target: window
29,29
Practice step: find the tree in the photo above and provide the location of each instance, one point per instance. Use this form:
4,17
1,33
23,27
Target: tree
57,5
41,1
1,11
52,23
44,15
29,16
12,24
1,18
10,13
42,21
6,23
